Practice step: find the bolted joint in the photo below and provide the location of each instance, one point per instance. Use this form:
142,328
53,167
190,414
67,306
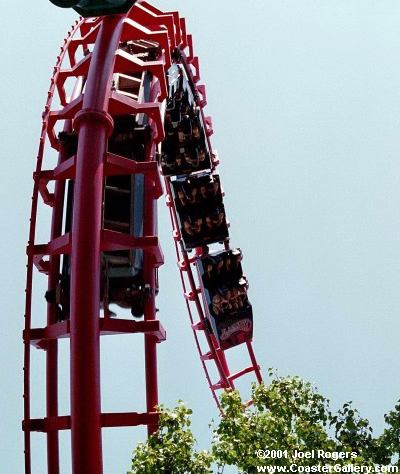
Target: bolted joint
87,115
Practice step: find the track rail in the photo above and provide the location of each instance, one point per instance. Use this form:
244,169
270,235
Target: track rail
191,287
90,56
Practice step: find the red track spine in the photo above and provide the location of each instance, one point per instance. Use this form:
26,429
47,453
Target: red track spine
94,126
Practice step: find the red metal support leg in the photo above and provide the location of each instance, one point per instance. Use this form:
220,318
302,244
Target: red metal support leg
53,455
94,126
85,296
52,346
150,228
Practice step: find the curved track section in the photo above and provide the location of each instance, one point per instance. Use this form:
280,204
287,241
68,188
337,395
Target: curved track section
102,136
190,257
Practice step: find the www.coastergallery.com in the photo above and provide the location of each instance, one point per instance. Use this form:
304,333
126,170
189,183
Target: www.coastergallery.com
329,468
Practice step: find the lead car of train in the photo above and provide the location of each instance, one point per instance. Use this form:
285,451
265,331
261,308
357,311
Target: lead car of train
185,159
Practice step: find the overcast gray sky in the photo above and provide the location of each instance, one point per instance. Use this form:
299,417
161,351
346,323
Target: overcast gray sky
305,97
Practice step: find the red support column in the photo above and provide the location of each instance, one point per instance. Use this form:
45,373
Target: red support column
150,342
53,455
94,126
52,346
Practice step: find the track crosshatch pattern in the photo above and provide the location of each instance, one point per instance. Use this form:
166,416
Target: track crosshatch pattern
120,67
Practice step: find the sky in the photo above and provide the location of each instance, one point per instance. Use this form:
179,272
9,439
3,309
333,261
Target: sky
305,100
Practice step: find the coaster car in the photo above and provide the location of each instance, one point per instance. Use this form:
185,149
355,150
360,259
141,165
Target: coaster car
200,210
90,8
185,148
225,297
122,281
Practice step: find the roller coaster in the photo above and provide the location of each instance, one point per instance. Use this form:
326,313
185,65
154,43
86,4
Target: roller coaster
129,129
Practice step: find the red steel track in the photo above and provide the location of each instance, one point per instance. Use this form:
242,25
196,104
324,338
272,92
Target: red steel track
91,52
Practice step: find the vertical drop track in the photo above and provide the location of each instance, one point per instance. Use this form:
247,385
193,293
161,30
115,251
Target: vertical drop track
90,56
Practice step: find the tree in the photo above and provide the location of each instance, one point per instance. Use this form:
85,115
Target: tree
171,449
289,418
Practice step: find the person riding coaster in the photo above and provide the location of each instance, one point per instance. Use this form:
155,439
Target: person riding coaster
125,292
128,296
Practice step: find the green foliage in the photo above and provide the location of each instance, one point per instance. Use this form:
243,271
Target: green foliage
288,415
171,450
390,438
